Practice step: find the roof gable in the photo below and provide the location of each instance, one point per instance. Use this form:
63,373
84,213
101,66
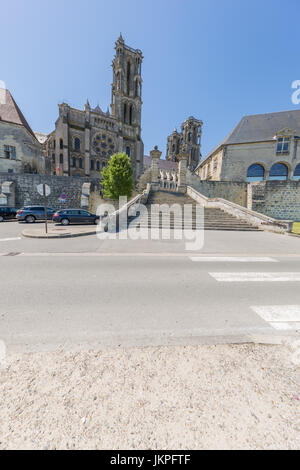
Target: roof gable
10,112
261,128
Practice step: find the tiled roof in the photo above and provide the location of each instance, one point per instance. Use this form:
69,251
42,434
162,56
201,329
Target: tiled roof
261,128
162,165
10,112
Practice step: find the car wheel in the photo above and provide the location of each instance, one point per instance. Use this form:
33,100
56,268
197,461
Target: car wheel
97,221
30,219
1,218
65,222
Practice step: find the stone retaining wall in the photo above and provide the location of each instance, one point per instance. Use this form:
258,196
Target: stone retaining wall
232,191
26,192
277,199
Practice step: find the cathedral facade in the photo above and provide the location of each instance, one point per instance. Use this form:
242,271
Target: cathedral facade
188,141
84,140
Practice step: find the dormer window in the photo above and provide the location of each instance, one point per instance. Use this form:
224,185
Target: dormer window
283,145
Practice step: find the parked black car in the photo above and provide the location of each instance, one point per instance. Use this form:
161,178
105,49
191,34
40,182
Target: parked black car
75,216
7,213
30,214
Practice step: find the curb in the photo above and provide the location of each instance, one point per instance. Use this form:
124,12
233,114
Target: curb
291,234
53,236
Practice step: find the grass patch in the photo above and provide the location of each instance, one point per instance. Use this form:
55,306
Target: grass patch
296,227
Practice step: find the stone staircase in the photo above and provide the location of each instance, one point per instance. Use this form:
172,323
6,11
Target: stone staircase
214,219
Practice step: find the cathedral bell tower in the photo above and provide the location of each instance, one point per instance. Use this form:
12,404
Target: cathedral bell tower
126,100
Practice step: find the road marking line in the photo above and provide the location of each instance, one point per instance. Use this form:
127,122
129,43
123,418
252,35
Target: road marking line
281,326
233,259
256,277
278,313
10,239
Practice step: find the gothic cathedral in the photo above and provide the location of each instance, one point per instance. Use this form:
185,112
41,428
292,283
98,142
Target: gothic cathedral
84,140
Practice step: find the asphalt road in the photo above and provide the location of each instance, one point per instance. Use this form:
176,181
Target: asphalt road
84,292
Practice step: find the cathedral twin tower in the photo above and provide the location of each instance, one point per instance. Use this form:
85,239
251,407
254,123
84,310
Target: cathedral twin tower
84,140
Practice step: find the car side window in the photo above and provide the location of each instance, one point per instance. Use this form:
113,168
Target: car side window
84,213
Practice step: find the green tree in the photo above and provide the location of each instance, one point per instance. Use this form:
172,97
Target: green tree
118,177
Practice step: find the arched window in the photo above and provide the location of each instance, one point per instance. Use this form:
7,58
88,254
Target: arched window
255,172
125,112
128,151
128,77
61,144
61,158
92,165
130,114
80,163
119,83
279,171
76,143
53,158
98,165
103,165
297,172
74,162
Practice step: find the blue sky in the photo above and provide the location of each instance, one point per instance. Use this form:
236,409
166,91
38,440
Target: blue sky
215,59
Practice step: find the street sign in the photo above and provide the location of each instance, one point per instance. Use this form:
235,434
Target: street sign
44,190
40,189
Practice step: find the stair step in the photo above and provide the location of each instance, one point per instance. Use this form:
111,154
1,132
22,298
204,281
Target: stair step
214,219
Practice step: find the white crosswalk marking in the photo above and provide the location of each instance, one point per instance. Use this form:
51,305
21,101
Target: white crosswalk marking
232,259
256,277
278,313
280,317
281,326
9,239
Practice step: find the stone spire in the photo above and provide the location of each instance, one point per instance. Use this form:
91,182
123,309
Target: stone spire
120,39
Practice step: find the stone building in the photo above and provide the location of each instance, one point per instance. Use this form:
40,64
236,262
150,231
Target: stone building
84,140
20,150
260,147
167,172
190,138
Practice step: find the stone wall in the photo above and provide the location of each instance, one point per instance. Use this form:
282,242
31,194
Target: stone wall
26,189
232,191
277,199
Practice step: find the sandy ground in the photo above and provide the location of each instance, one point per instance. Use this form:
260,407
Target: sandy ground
206,397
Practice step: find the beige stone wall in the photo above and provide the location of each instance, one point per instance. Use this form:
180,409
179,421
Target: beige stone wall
234,192
211,169
239,157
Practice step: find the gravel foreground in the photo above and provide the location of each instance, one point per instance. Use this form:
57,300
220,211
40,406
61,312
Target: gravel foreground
205,397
